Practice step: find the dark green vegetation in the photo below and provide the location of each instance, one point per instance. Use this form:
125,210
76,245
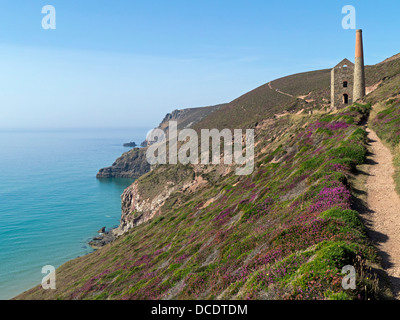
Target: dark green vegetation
283,232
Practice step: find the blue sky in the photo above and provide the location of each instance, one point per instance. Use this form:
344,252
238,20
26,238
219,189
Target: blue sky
127,63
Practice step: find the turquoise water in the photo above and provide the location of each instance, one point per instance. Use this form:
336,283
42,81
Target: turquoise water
51,203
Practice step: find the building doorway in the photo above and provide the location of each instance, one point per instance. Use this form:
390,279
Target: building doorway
345,98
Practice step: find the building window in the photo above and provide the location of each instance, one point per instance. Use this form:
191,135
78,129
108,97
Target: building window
345,98
344,84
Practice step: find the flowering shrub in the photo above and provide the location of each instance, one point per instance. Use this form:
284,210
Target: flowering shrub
331,197
224,216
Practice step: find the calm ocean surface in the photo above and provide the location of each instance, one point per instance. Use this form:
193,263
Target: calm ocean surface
51,203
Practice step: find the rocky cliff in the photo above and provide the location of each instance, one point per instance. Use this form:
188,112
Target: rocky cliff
131,164
160,190
137,208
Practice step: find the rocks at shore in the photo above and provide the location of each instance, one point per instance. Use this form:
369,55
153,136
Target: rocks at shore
102,230
102,239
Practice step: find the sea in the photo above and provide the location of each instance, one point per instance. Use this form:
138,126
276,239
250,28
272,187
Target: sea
51,203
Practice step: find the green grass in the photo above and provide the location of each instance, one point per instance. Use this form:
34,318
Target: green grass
349,217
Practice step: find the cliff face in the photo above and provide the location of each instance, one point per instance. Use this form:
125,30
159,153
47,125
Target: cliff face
137,208
139,205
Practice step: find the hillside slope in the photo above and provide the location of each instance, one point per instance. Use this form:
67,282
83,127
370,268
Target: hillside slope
265,101
283,232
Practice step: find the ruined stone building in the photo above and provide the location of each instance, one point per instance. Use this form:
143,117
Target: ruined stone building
348,79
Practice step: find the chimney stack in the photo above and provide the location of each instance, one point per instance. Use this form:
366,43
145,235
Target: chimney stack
359,73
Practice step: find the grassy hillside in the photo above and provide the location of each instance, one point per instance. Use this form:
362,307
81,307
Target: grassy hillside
384,70
285,232
263,102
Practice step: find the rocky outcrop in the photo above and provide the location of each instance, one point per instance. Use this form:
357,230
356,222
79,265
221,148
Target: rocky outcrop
102,239
131,164
137,208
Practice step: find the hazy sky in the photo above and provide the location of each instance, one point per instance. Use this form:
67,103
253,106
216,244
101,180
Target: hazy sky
125,63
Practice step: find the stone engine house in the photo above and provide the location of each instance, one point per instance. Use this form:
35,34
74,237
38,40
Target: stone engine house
342,78
348,79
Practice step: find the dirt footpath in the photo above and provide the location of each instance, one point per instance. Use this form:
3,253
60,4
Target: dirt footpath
384,203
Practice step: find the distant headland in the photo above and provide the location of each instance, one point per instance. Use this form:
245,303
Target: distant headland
130,144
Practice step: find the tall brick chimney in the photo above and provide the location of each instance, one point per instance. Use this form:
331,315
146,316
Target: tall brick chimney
359,73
